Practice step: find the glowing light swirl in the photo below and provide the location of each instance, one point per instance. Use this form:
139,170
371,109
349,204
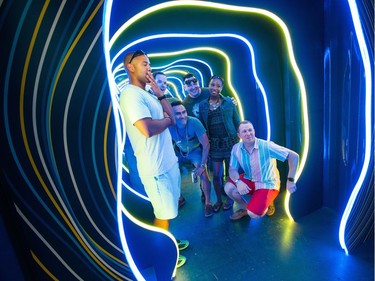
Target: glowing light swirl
108,43
368,125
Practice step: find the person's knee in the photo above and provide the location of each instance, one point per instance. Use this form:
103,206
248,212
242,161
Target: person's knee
204,176
254,216
228,188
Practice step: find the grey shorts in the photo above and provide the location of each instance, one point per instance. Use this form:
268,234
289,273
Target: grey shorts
194,156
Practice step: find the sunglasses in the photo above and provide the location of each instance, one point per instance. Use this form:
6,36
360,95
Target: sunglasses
188,82
137,53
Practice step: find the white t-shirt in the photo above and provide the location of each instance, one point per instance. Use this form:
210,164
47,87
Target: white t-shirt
155,155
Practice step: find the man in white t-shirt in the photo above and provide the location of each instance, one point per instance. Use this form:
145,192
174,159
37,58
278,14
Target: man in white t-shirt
147,117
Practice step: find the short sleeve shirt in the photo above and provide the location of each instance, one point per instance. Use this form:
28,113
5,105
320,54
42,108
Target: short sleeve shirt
260,164
188,139
155,155
192,104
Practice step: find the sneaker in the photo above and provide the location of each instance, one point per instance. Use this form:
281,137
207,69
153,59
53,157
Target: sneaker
181,201
238,214
181,261
271,210
182,244
208,210
228,204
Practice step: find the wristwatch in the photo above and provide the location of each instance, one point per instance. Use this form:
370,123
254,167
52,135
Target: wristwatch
237,180
291,179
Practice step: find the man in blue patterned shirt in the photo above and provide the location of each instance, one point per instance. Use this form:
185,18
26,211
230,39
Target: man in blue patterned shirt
261,179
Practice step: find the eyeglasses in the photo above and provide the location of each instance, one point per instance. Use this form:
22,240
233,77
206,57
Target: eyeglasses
137,53
189,81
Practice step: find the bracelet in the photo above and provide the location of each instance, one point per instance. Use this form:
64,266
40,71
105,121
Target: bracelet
203,165
170,119
291,179
237,180
162,97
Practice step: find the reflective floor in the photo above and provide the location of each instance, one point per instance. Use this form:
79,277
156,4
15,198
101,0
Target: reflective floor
271,248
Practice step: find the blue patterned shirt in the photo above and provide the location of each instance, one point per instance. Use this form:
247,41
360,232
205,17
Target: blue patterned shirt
260,164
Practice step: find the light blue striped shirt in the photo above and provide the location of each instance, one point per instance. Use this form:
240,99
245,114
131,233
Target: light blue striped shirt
260,164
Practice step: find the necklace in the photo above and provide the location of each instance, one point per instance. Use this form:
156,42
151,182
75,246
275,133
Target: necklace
181,140
214,105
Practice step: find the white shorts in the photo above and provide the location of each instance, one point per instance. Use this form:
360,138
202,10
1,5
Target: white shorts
163,192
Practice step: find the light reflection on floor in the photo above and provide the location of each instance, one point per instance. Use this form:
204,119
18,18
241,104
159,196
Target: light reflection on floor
271,248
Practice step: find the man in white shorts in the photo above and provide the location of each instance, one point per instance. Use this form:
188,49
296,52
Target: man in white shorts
147,117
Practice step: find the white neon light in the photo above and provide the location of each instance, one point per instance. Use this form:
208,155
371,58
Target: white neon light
119,138
215,50
226,7
368,114
114,90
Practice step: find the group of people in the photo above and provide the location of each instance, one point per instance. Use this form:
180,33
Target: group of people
203,128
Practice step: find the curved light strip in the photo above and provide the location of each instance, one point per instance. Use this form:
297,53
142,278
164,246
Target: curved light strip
215,50
237,9
120,139
133,266
70,222
303,96
108,44
119,70
176,62
368,114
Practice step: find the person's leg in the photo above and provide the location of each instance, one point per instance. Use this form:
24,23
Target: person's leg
163,192
164,224
259,203
206,186
233,193
181,161
217,171
228,202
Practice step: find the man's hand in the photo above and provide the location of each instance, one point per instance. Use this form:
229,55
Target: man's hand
154,86
291,187
234,101
199,171
242,188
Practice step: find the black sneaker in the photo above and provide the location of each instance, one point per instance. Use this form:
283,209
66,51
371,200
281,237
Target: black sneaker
181,202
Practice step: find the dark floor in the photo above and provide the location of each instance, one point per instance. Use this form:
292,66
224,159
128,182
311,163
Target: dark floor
268,249
271,248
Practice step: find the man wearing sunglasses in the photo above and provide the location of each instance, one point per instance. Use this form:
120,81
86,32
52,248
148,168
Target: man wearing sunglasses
196,94
147,116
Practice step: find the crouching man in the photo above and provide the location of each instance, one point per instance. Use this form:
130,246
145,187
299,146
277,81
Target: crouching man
261,178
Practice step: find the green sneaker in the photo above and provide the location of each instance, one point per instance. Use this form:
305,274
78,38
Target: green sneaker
181,261
182,244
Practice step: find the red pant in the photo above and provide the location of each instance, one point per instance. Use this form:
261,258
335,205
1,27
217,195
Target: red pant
260,199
